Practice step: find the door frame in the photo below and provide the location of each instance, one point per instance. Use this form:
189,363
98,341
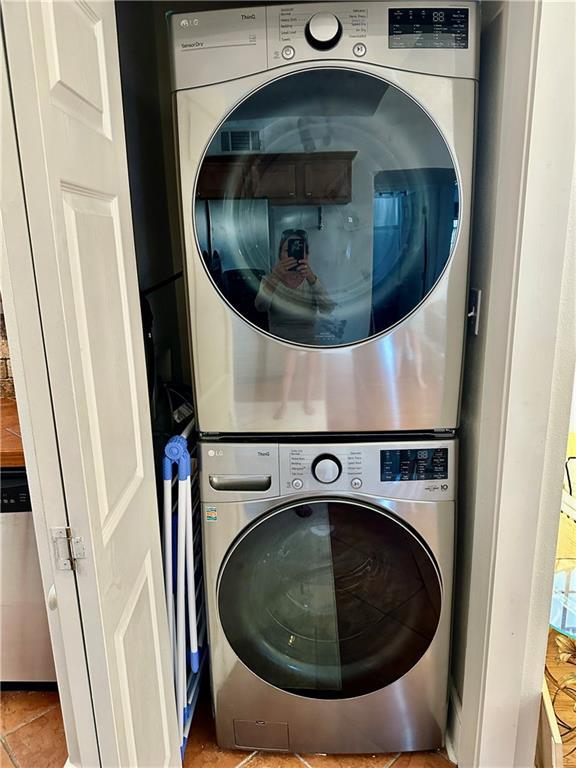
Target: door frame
525,384
39,437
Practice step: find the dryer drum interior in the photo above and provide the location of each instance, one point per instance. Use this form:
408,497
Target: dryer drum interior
329,599
359,167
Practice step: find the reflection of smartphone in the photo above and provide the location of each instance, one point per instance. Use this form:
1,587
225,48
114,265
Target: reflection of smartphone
297,250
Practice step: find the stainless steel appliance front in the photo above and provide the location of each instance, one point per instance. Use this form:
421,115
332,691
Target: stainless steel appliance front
329,579
348,143
25,650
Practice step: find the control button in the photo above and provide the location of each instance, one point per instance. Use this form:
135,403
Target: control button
288,52
356,482
359,50
326,468
297,484
323,31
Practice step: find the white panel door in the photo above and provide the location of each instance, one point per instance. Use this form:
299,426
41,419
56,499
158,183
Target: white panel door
65,79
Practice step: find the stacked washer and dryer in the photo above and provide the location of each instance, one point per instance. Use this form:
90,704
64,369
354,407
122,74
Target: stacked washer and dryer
325,157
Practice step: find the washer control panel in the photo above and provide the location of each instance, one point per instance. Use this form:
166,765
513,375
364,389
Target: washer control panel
418,470
423,470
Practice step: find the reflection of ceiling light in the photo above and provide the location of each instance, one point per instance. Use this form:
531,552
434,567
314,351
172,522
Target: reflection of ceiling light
322,530
351,220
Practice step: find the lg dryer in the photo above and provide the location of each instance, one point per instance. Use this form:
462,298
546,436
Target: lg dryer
325,173
328,572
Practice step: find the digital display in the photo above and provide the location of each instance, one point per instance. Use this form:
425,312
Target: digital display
428,28
414,464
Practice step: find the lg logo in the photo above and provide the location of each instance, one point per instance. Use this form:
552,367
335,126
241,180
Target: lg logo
432,488
212,452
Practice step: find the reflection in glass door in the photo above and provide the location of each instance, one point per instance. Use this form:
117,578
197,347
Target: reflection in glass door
329,599
358,193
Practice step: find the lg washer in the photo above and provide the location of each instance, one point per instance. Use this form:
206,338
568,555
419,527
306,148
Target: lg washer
328,572
325,155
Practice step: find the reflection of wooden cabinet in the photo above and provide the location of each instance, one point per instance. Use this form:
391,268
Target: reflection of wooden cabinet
223,177
274,179
329,181
310,178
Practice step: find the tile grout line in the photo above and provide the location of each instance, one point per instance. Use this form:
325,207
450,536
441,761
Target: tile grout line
31,719
247,759
6,748
304,762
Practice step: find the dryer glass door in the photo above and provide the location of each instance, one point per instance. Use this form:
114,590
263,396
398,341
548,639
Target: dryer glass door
356,191
329,599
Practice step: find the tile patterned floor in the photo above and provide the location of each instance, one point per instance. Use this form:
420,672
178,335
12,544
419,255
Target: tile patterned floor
31,730
32,736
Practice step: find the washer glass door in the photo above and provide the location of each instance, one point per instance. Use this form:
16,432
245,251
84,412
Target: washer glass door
329,599
326,207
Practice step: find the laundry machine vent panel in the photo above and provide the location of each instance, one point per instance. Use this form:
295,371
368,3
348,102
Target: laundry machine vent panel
240,141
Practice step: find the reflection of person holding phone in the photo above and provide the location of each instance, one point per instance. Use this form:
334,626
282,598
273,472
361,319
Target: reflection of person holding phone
292,294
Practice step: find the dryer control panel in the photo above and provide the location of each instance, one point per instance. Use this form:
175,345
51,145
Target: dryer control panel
425,37
423,470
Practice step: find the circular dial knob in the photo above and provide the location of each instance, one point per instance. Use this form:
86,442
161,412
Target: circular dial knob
326,468
323,31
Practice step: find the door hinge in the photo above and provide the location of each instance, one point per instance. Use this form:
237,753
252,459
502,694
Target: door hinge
67,548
